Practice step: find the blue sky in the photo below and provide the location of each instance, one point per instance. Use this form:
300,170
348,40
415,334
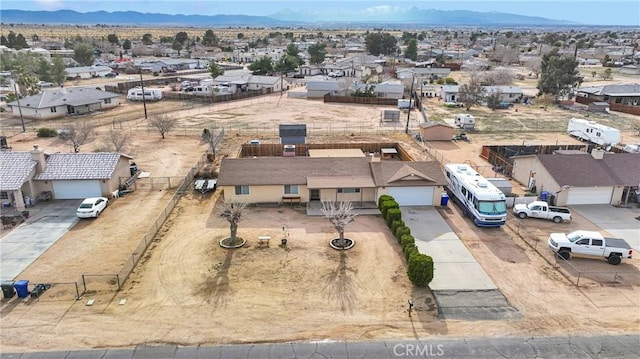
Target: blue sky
589,12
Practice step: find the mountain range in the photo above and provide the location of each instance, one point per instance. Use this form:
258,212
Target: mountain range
285,18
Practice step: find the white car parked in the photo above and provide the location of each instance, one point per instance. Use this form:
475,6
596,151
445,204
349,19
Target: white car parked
92,207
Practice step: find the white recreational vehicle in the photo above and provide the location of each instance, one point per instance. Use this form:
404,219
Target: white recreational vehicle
593,132
150,94
465,121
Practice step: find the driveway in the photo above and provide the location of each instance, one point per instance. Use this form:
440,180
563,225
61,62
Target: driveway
619,222
47,223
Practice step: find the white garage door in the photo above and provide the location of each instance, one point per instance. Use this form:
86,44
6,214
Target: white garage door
76,189
589,195
412,196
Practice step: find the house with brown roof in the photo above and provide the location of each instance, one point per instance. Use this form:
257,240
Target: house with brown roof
309,179
576,177
66,175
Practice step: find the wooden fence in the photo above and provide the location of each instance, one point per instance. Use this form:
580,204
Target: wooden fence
302,150
362,100
618,107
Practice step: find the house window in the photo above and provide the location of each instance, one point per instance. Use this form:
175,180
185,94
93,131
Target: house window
53,109
291,189
348,190
242,190
107,100
4,195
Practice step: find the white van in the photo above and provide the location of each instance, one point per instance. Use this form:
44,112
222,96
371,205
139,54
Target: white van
465,120
150,94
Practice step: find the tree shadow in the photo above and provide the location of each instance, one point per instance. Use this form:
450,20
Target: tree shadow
340,286
216,289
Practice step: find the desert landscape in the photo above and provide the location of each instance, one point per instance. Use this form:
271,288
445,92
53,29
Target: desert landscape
188,291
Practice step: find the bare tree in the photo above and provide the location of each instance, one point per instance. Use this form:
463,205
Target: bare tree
163,123
339,214
117,140
232,212
499,77
472,92
606,74
545,100
78,135
535,66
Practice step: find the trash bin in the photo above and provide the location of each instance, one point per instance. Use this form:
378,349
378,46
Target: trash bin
25,214
444,200
544,196
8,291
22,287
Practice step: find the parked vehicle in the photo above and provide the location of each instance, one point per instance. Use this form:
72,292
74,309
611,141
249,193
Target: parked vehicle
589,244
477,197
150,94
593,132
465,121
92,207
111,74
541,209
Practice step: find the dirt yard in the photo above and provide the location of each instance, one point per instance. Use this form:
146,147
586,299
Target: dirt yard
189,291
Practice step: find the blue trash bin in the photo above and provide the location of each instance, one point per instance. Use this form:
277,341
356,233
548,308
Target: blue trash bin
22,287
444,200
544,195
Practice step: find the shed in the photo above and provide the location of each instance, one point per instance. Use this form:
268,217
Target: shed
389,153
503,184
436,131
598,107
293,134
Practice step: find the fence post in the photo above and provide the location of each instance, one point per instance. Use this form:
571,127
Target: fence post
578,282
118,280
84,283
77,291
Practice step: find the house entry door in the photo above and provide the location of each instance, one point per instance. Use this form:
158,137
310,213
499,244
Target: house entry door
314,195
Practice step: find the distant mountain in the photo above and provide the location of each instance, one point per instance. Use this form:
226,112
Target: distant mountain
370,16
133,18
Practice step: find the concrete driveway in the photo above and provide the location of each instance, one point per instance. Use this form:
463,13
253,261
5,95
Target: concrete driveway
47,223
620,222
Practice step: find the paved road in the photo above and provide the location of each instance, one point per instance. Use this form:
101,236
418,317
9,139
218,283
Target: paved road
619,346
47,223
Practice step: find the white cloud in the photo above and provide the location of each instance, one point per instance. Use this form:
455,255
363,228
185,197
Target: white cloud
50,4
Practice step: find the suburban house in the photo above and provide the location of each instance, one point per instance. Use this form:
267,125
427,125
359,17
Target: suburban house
424,73
327,178
576,177
626,94
387,89
65,175
319,88
87,72
64,101
274,83
511,94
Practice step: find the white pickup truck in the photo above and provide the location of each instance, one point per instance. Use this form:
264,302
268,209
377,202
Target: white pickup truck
589,243
540,209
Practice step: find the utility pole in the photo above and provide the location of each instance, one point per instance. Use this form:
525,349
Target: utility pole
144,99
15,91
413,78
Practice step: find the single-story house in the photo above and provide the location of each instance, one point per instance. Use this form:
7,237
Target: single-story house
511,94
598,107
627,94
87,72
576,177
306,179
449,93
275,83
66,175
436,131
310,70
64,101
424,73
319,88
387,89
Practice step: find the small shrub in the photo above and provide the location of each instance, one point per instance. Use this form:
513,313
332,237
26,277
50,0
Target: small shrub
395,225
402,231
393,214
408,250
384,197
406,240
420,269
47,132
387,205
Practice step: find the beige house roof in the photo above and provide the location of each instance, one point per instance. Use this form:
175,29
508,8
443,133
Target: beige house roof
340,182
402,174
336,152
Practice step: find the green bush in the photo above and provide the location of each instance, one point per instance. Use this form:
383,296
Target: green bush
383,198
405,240
395,225
47,132
401,231
420,269
408,250
393,214
386,206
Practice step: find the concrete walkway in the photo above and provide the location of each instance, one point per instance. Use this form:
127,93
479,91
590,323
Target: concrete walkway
620,222
48,222
456,269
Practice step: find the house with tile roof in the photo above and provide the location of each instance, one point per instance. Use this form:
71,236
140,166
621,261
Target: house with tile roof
576,177
61,102
65,175
314,179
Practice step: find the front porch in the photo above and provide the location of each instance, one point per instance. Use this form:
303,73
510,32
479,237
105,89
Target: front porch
314,208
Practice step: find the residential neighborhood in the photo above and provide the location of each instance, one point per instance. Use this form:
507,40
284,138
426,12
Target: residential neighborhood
170,187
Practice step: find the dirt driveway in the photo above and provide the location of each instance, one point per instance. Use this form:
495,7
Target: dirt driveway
189,291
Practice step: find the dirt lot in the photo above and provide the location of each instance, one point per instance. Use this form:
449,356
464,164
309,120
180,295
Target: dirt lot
189,291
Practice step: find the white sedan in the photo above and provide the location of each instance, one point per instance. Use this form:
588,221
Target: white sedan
92,207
